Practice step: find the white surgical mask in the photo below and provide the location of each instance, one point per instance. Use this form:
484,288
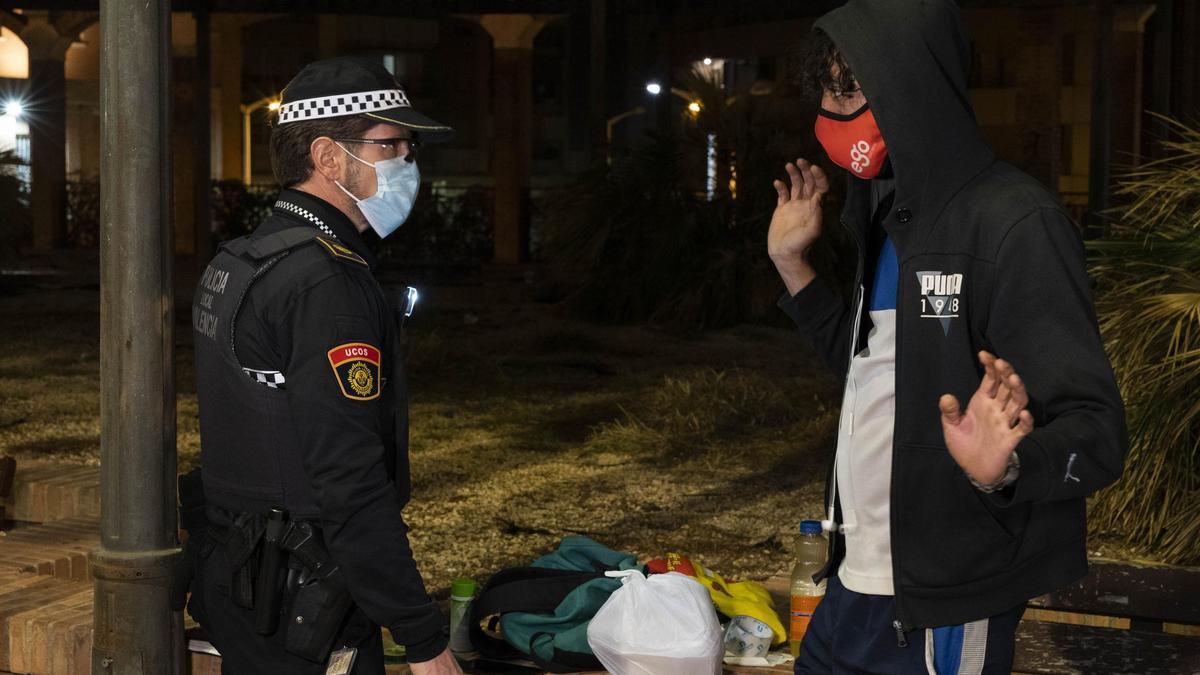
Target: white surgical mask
397,182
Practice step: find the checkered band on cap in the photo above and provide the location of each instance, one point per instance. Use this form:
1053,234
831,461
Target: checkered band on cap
342,104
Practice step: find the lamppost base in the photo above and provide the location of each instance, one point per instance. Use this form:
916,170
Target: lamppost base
135,630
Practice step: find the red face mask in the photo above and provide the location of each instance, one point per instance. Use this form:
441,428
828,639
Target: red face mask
853,141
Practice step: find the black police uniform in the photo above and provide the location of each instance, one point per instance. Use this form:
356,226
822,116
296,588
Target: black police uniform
303,406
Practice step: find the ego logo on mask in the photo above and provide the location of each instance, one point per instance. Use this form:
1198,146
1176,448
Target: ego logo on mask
853,141
860,158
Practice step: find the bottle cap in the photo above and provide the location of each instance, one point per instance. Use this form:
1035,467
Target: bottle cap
810,527
463,587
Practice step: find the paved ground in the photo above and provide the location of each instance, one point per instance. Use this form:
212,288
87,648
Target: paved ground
45,582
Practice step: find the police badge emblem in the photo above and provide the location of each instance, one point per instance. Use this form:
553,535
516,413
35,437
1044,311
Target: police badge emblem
356,368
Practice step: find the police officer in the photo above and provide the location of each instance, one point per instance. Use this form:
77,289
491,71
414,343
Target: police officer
303,408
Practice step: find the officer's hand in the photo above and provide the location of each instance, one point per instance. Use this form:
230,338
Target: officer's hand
982,438
796,223
444,664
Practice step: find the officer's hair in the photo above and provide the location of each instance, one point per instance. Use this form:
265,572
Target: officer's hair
290,159
812,62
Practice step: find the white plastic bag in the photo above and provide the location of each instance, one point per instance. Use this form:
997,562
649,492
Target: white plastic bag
664,625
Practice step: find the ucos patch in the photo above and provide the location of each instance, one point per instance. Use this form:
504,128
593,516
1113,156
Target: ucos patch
356,367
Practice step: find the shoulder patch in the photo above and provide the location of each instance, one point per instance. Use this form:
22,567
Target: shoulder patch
356,369
338,251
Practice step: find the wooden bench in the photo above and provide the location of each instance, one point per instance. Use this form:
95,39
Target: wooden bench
1121,618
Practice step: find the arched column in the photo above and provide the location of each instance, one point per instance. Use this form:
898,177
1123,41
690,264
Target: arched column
512,111
48,35
227,41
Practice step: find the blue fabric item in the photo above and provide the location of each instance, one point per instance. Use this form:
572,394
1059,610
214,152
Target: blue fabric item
947,649
565,629
887,277
582,554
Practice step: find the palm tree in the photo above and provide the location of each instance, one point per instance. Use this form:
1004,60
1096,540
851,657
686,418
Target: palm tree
1149,307
651,245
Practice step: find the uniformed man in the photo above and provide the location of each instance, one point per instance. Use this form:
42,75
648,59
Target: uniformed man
303,408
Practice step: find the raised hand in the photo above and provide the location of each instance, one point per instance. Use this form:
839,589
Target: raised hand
981,438
796,223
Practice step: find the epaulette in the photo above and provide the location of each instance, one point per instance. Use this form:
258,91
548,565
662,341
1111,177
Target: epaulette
271,245
338,251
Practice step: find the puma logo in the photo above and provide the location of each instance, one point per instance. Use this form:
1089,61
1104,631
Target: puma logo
940,297
1070,463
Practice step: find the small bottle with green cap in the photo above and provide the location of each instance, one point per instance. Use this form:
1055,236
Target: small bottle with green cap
462,593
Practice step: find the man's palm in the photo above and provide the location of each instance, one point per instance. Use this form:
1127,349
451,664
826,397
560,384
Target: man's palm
982,438
796,223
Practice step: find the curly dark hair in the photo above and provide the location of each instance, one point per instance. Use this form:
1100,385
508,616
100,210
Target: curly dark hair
290,160
813,63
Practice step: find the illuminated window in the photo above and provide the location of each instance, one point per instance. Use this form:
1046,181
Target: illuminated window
22,149
14,56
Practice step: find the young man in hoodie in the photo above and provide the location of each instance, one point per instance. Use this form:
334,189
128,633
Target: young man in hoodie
971,288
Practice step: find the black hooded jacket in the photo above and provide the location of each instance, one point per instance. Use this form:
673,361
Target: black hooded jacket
989,260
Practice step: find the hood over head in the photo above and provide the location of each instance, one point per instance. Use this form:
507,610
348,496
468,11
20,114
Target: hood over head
912,59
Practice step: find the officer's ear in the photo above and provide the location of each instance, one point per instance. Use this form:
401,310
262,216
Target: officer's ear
326,158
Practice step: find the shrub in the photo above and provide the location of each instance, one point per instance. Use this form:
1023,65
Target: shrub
15,224
1149,307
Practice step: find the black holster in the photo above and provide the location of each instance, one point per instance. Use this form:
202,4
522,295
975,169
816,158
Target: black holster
317,599
269,584
242,549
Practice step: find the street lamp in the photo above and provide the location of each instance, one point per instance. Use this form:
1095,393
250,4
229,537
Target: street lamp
654,89
612,122
272,104
694,106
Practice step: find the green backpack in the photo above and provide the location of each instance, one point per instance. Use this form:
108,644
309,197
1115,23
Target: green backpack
543,610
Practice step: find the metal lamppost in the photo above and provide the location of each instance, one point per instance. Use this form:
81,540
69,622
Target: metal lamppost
272,104
612,122
136,631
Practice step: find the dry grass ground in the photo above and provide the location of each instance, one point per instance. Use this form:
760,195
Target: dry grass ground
526,427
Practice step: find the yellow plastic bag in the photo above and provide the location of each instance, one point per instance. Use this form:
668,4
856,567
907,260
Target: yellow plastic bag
747,598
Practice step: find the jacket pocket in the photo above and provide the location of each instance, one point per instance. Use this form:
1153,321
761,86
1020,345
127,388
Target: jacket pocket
947,533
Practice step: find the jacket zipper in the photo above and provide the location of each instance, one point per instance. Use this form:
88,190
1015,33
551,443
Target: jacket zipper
854,327
831,525
898,622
